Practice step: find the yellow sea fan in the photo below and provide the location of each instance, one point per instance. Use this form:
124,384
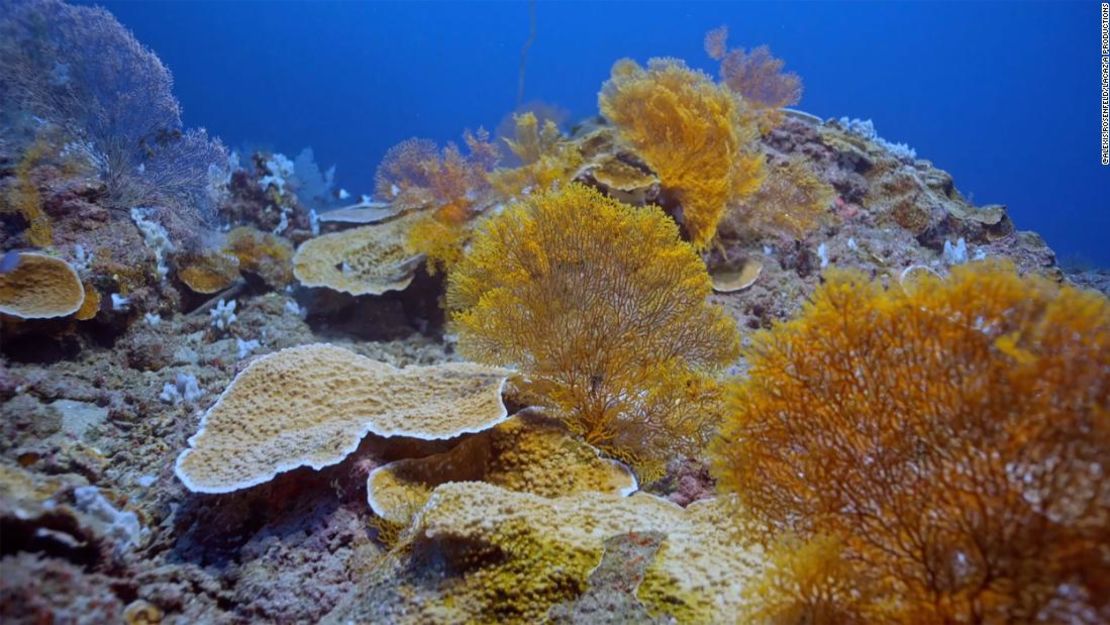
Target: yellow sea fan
692,132
602,308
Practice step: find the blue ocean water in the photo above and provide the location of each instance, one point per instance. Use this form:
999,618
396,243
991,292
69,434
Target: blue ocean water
1003,95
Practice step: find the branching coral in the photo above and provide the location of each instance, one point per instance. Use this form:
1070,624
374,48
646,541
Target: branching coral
791,203
952,437
603,310
693,133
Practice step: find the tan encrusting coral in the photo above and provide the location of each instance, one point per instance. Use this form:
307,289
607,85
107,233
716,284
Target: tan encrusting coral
311,405
209,272
510,556
40,287
528,453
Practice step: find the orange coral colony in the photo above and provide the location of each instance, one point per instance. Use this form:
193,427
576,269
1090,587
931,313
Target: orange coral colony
692,132
950,435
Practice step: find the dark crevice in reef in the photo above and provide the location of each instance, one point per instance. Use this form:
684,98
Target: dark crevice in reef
55,535
32,345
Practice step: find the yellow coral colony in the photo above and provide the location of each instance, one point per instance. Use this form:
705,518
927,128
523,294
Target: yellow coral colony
24,196
40,287
261,253
693,133
311,405
528,453
546,158
603,310
510,556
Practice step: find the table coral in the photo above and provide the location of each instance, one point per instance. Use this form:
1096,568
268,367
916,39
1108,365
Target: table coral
360,261
40,287
311,405
692,132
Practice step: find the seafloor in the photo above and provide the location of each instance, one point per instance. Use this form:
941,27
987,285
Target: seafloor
97,406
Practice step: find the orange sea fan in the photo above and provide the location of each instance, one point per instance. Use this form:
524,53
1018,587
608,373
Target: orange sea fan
758,77
716,43
791,203
951,436
403,169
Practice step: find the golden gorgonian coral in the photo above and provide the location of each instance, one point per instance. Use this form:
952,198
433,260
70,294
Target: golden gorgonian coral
693,133
602,309
546,158
952,436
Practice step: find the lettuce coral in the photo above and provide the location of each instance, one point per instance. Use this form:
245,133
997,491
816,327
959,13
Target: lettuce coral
950,435
603,310
696,135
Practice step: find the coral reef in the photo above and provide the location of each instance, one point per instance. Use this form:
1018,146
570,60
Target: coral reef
348,468
602,308
969,413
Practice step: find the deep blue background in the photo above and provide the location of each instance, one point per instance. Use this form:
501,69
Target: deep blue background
1005,96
